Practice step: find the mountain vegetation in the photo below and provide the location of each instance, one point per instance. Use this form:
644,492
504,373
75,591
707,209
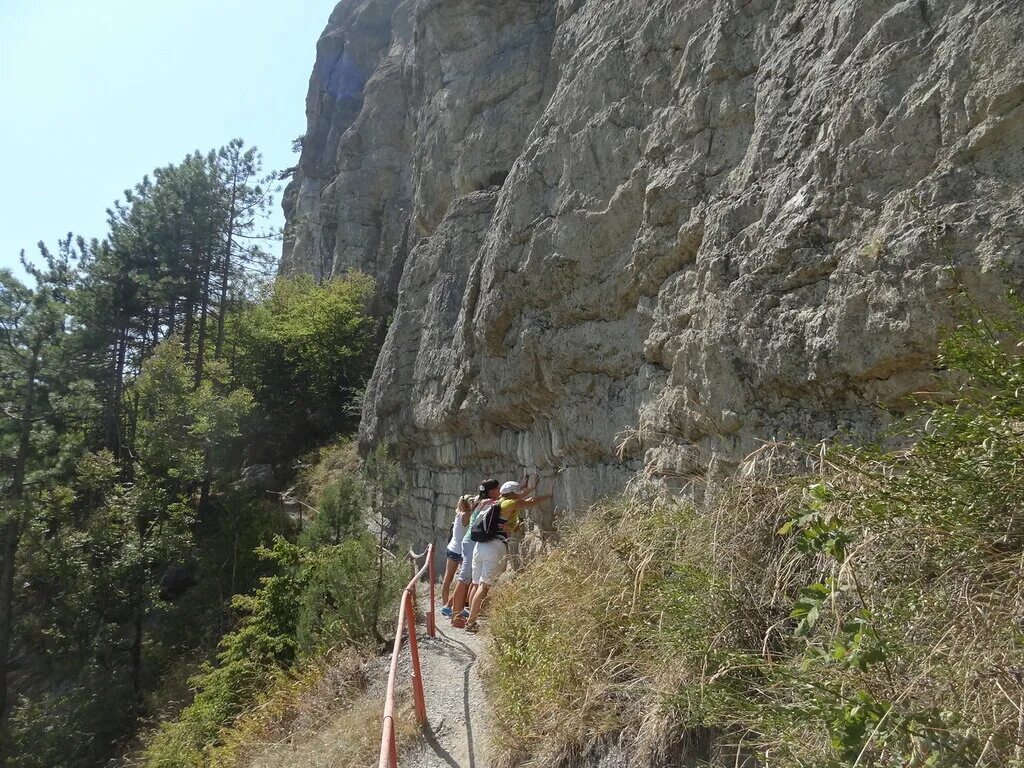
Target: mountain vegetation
140,374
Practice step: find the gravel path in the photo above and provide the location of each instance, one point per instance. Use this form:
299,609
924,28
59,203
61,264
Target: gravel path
456,735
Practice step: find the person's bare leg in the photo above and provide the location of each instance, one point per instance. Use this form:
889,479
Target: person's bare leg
478,601
449,573
459,598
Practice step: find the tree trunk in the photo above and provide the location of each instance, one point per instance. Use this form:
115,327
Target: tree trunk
204,307
10,535
132,431
204,490
190,306
137,660
113,430
186,341
225,270
172,317
156,326
122,354
379,588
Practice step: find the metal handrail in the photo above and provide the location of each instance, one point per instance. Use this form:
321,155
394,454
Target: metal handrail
407,616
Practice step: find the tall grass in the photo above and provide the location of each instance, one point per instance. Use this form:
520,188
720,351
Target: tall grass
866,613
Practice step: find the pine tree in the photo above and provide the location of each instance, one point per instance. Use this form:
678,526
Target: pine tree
238,169
31,330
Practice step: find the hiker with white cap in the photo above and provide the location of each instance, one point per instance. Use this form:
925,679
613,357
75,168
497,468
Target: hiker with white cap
491,532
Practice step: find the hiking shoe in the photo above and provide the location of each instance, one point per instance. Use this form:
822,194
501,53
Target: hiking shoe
473,627
458,622
446,611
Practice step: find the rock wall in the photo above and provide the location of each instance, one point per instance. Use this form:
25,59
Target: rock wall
631,236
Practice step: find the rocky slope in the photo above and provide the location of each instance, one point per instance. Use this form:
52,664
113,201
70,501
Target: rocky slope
678,226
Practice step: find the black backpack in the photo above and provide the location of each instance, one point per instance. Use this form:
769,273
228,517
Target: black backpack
487,523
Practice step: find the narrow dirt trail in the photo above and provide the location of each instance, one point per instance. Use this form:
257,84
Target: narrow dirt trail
456,735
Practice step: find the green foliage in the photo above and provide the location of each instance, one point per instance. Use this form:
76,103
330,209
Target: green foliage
180,424
249,657
337,605
316,600
71,727
339,514
121,442
319,596
325,465
94,549
305,352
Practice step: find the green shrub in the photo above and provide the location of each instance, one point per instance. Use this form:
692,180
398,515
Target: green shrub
325,465
337,602
263,645
592,634
339,513
305,352
317,600
73,728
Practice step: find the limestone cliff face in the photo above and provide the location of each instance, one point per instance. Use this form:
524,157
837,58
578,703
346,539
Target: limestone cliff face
678,226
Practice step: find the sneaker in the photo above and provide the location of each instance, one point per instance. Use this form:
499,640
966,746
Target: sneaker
458,622
465,613
473,627
446,611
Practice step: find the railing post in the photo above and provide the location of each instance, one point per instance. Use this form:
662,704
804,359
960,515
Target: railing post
414,653
415,570
388,747
431,626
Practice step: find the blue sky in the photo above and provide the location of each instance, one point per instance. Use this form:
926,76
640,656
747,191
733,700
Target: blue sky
93,95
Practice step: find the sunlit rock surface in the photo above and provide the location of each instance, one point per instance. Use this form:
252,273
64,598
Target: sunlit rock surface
680,227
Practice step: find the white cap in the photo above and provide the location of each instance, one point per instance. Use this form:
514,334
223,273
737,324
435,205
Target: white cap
509,487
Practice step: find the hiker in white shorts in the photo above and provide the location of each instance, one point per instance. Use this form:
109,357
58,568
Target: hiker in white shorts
491,557
461,595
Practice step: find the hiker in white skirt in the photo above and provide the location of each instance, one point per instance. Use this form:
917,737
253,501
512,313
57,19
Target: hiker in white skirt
453,552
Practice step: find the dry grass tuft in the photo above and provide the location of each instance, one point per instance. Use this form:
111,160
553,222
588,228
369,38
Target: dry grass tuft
834,618
578,638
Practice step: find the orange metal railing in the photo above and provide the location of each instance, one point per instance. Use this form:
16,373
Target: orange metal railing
407,618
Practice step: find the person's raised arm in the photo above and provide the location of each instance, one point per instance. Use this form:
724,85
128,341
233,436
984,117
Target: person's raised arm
533,501
466,509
